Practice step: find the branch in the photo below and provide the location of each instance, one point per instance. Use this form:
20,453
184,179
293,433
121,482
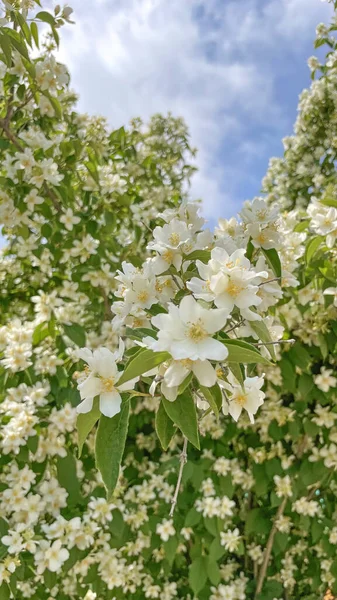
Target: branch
183,461
269,546
108,314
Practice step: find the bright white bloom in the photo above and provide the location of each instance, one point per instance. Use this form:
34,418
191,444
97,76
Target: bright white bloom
249,397
283,486
325,380
101,379
165,529
230,539
51,556
229,281
69,219
186,332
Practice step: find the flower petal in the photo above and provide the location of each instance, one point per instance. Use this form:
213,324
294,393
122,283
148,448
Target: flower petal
85,406
204,372
110,403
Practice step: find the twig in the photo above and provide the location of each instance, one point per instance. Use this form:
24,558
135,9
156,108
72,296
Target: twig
108,314
235,326
274,343
269,546
183,461
269,281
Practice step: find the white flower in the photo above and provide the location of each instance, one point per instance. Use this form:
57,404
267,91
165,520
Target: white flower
165,529
101,380
51,556
230,539
325,380
186,332
229,281
178,370
237,397
69,219
258,211
14,542
283,486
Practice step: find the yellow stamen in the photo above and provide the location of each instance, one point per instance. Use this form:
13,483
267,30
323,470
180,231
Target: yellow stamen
196,332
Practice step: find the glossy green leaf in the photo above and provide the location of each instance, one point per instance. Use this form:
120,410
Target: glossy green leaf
242,352
312,248
84,424
144,361
197,574
213,396
183,413
273,261
262,331
110,443
164,427
76,333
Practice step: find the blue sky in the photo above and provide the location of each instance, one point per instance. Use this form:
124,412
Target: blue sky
232,68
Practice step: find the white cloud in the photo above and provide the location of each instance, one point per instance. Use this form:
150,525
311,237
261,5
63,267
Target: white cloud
210,62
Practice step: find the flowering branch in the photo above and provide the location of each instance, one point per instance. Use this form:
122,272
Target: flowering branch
183,461
269,546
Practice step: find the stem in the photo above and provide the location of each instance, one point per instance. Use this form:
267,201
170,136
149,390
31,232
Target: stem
274,343
235,326
269,546
269,281
183,461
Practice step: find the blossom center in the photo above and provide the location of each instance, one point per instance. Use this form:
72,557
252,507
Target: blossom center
234,289
186,362
197,332
174,239
168,256
241,399
143,296
108,384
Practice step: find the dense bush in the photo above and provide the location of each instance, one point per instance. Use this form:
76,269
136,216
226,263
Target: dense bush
103,245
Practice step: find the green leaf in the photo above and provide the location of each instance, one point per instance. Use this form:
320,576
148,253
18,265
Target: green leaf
35,33
273,261
66,475
214,397
238,372
203,255
242,352
183,413
16,41
46,17
302,226
56,106
329,202
6,48
24,28
213,571
139,333
262,331
193,517
84,424
257,521
197,575
312,248
144,361
76,333
4,592
170,548
110,444
40,333
164,427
